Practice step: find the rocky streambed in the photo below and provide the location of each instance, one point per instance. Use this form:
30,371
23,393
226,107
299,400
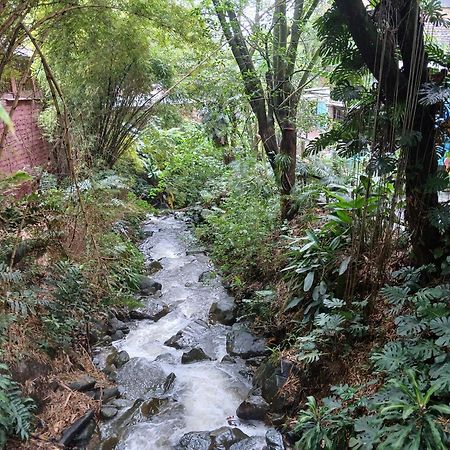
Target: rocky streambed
188,376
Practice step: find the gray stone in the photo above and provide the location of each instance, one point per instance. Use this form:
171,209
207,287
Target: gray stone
274,440
154,266
176,341
148,286
155,310
251,443
107,394
141,378
242,343
115,324
222,438
194,355
226,436
195,440
119,334
121,403
254,407
227,359
108,412
206,276
121,359
83,384
167,358
196,251
271,376
223,311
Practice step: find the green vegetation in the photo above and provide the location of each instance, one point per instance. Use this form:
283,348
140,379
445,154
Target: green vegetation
331,229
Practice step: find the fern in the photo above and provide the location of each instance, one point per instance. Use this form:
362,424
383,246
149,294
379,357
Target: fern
9,276
15,411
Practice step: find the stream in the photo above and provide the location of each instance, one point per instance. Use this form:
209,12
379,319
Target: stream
162,398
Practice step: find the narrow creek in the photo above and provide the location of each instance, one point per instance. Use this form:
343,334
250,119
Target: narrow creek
166,391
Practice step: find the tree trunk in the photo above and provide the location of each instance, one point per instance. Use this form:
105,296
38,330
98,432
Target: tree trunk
288,150
421,167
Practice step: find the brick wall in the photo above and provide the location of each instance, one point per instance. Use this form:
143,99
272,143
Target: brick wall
26,148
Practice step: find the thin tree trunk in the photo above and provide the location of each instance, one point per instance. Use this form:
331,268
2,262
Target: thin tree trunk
288,150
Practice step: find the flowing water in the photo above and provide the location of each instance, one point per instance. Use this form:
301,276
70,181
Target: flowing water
205,394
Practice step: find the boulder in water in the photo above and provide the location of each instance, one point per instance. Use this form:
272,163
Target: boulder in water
240,342
274,440
254,407
251,443
222,438
223,311
194,355
148,286
153,311
176,341
141,378
271,376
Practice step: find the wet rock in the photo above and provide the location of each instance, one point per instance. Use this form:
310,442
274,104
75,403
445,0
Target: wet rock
84,437
223,311
121,403
226,436
274,440
140,378
242,343
115,325
254,407
175,341
194,355
148,286
154,266
196,251
206,276
169,382
121,359
251,443
119,334
83,384
195,440
167,358
271,377
73,432
152,406
153,311
227,359
222,438
108,412
107,394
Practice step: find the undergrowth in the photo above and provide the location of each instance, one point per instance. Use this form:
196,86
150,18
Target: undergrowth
68,255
